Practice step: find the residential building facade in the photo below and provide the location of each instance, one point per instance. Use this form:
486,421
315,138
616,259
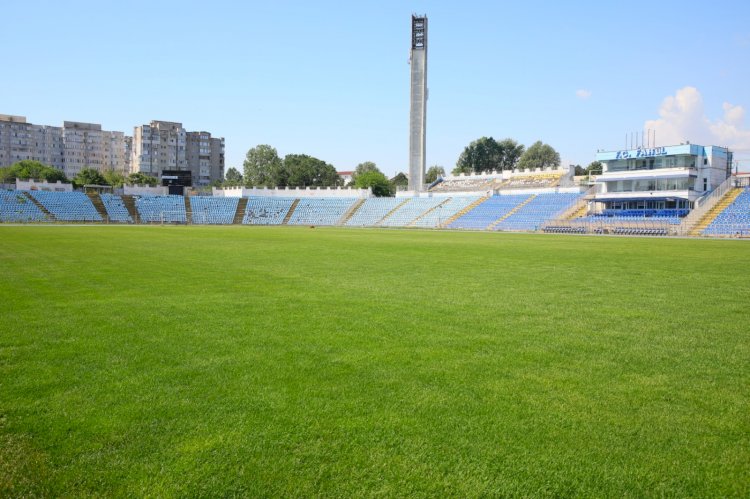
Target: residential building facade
69,148
166,145
153,148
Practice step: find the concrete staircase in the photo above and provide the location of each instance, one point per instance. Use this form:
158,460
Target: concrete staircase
129,203
39,205
511,212
188,210
711,214
379,222
464,211
96,200
577,213
239,215
414,222
290,212
350,212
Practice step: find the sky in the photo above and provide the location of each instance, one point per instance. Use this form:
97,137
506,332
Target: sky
331,78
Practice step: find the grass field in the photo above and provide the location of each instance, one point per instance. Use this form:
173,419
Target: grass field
174,361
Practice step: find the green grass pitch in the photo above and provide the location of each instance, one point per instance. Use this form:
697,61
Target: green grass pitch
250,361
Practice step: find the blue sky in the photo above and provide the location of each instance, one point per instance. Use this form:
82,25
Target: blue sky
331,79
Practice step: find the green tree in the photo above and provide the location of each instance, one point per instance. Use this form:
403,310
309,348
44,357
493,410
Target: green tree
380,184
433,173
306,171
89,176
28,169
367,166
594,168
510,152
114,178
400,180
579,170
481,155
232,178
539,155
263,167
140,178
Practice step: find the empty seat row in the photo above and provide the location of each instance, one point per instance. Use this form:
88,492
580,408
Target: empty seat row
266,210
16,207
410,210
68,206
541,209
116,209
488,212
372,211
210,210
163,209
320,211
734,220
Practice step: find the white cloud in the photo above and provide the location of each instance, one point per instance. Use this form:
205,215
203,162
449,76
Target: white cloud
583,94
683,118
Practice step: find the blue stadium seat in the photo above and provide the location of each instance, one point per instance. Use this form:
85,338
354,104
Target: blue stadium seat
16,207
68,206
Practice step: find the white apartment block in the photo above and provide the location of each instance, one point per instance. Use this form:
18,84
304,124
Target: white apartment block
70,148
153,148
166,145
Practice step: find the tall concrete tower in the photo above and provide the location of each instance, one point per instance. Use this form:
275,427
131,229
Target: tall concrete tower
418,108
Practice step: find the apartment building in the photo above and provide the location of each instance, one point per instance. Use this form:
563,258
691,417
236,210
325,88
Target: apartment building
70,148
166,145
153,148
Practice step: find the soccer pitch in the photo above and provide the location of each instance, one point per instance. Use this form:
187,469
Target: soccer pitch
288,361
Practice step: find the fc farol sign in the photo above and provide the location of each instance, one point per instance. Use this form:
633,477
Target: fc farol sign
642,153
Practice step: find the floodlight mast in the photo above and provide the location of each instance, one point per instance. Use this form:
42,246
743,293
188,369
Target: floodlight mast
418,103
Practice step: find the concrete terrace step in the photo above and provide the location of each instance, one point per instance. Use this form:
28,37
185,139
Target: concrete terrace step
464,211
290,212
511,212
239,215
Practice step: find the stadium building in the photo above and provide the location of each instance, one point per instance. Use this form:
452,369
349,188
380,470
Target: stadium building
652,180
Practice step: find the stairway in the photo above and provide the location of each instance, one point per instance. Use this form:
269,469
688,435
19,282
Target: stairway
394,210
414,222
96,200
239,215
350,212
129,203
711,214
188,212
463,212
511,212
50,216
580,212
290,212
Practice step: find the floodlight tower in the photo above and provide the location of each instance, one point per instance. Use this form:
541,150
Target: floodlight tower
418,108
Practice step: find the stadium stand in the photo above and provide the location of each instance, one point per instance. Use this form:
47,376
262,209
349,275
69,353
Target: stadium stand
372,211
266,211
68,206
116,209
672,217
164,209
320,211
209,210
489,212
734,220
540,180
441,213
15,207
409,211
542,208
463,184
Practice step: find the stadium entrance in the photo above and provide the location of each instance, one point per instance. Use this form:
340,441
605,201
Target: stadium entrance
176,181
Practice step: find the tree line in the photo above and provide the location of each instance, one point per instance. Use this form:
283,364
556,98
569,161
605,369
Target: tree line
28,169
